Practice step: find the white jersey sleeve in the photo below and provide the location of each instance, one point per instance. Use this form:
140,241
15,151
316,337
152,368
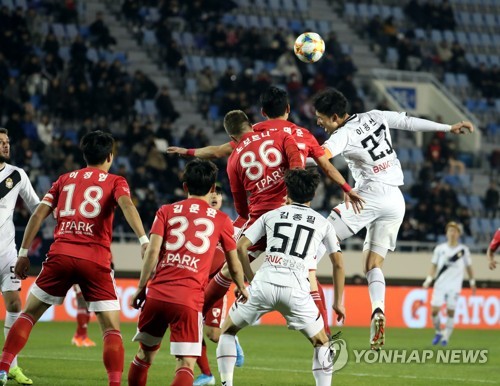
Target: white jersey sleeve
435,256
27,192
330,241
467,257
257,230
337,142
400,120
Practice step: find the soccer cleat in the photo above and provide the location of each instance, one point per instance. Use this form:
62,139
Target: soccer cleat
240,355
204,379
81,341
444,343
437,338
16,374
3,378
377,331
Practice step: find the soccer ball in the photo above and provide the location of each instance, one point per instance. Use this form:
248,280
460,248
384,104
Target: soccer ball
309,47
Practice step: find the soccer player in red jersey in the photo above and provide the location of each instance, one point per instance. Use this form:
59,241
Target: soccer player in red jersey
84,202
215,315
184,237
495,243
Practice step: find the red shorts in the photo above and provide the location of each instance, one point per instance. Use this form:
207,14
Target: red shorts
60,272
186,329
215,315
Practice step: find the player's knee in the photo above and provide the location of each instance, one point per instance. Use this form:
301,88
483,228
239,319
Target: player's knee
13,305
451,313
186,362
213,334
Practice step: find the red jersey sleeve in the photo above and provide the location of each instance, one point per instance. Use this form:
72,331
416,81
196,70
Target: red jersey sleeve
226,236
160,222
495,242
315,150
292,153
121,188
237,189
52,196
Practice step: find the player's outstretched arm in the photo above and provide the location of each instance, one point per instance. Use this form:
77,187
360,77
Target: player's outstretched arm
243,244
472,281
134,220
148,267
207,152
338,284
462,127
351,197
430,277
34,223
236,272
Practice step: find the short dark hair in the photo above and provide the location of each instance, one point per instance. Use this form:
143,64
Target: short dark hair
4,131
96,147
236,122
301,184
330,102
274,102
200,176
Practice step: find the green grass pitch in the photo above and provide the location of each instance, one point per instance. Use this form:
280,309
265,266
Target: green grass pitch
273,356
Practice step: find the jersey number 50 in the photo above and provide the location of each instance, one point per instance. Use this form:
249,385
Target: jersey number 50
254,168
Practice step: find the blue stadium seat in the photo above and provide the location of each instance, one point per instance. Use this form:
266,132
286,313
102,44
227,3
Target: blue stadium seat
213,112
363,11
417,158
296,26
475,203
235,63
385,11
420,33
374,10
43,183
289,5
150,107
398,14
450,80
14,72
350,9
210,62
253,21
408,177
486,226
191,86
122,160
59,31
462,200
449,36
221,64
324,27
436,36
303,6
392,55
71,31
138,107
149,38
92,55
266,22
403,155
229,19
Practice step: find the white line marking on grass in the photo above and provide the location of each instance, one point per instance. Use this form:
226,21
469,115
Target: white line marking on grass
289,370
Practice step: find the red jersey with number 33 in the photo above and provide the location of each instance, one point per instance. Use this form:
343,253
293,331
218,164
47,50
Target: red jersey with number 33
84,203
191,230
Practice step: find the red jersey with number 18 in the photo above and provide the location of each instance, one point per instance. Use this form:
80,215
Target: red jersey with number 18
191,230
84,203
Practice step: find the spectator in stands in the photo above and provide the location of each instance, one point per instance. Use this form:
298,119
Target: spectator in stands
174,59
99,33
165,106
491,200
45,130
51,44
206,82
143,87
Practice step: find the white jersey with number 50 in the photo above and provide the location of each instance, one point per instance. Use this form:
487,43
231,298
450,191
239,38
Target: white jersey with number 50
294,233
365,142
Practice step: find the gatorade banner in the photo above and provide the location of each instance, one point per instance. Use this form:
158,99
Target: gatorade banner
405,306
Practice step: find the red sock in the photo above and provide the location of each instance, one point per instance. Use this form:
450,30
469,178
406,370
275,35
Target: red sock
322,294
184,376
138,372
216,289
202,360
321,308
113,356
82,320
16,340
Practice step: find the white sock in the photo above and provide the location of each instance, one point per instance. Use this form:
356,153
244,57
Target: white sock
10,318
376,287
449,327
322,366
437,323
226,358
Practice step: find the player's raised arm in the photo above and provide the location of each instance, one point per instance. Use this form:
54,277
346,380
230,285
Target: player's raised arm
399,120
148,265
292,153
495,242
338,284
34,223
207,152
243,244
134,220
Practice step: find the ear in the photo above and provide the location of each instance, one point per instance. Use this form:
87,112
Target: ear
288,200
185,187
212,189
288,109
263,113
110,157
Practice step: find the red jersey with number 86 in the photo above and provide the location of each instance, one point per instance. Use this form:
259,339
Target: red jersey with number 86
84,203
191,230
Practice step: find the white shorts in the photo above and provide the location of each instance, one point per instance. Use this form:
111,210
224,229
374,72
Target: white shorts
446,296
382,216
9,282
296,306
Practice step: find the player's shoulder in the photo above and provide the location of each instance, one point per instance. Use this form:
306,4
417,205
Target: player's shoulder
465,248
9,169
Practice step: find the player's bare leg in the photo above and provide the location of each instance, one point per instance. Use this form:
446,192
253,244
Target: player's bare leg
184,371
436,321
113,352
376,286
226,351
448,327
19,334
322,365
138,371
206,377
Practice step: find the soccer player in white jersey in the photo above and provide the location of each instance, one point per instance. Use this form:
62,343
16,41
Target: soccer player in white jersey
447,270
364,140
13,183
294,233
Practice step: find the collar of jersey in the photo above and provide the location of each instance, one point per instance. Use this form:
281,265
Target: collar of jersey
302,205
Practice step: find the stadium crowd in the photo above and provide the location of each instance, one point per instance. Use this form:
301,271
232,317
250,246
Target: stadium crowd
49,100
